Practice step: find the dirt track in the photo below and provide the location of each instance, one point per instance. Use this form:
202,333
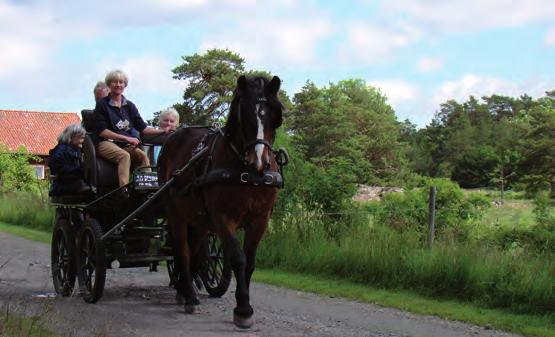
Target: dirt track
139,303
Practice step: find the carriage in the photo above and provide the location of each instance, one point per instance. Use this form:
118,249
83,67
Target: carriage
210,182
105,229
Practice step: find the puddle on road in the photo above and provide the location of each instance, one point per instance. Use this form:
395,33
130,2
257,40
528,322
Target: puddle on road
45,295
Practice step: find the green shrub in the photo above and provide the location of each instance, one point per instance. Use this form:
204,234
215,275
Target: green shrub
544,213
15,172
454,211
533,239
311,188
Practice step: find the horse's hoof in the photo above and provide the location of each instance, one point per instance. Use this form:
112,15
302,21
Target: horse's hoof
179,299
243,322
190,308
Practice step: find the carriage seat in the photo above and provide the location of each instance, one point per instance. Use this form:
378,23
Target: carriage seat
81,194
98,172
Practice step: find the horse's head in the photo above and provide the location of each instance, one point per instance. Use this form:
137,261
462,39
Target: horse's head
255,114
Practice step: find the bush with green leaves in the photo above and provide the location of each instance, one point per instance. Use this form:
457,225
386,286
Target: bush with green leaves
15,172
454,214
543,211
539,238
311,188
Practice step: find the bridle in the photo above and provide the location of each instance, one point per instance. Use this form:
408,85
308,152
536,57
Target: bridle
247,145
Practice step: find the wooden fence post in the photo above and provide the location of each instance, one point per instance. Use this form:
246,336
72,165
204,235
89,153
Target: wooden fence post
431,216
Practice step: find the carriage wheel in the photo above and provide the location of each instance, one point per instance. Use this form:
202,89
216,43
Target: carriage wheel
216,270
62,256
172,273
91,262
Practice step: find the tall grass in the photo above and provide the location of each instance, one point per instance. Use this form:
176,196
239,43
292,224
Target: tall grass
26,209
380,256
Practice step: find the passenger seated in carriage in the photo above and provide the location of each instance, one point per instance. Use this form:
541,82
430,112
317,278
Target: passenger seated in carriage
168,118
117,128
65,163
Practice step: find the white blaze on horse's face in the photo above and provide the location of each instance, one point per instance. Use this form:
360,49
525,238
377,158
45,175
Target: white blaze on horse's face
259,148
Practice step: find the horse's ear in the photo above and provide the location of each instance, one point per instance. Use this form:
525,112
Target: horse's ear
273,86
242,83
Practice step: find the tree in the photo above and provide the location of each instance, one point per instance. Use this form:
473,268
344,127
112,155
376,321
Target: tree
538,148
211,78
476,167
348,122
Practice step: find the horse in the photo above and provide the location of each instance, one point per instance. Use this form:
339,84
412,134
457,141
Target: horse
233,185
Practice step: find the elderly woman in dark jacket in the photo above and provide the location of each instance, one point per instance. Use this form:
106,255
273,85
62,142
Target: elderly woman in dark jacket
65,162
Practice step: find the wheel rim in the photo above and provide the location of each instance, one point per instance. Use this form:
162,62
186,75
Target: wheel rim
171,272
61,260
88,260
214,266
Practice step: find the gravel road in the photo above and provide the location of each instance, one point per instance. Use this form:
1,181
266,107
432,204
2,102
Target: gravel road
139,303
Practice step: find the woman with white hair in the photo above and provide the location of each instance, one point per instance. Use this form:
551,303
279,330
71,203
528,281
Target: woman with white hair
168,118
65,162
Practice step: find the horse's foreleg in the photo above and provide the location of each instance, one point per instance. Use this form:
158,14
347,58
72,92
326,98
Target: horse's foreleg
253,235
242,314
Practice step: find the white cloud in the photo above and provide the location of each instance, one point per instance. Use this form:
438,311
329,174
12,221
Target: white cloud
175,4
396,91
150,74
550,38
479,86
472,15
475,85
293,43
427,64
22,36
370,43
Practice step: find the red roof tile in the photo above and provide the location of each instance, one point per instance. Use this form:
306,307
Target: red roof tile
36,130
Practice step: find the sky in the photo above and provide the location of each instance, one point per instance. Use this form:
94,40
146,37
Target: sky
418,53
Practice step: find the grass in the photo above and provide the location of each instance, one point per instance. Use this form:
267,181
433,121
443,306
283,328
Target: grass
21,326
513,213
380,257
26,209
27,233
528,325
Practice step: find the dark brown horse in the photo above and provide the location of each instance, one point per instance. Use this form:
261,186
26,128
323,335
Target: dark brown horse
234,185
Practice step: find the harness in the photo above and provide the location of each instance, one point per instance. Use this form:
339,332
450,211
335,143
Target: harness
204,175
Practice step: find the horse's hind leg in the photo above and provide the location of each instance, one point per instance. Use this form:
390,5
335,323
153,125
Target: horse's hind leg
242,314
